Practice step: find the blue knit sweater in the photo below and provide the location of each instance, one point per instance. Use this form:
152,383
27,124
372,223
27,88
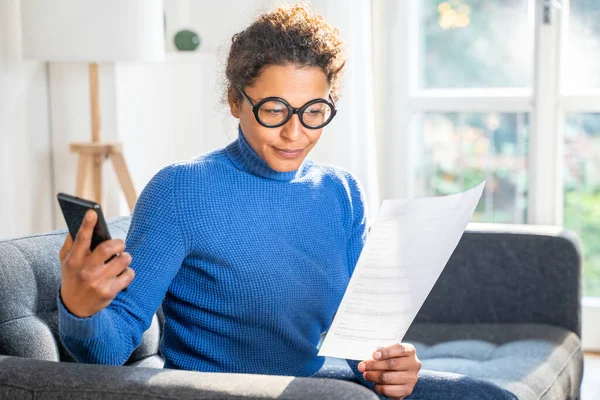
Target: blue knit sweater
249,264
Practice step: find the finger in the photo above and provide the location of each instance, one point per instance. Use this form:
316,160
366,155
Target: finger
390,377
83,240
66,247
394,351
383,358
105,250
391,364
95,266
394,391
122,281
117,265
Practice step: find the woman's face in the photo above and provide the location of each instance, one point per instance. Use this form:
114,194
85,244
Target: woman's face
283,148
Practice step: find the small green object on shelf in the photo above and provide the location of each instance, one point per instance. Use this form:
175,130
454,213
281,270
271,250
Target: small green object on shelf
186,40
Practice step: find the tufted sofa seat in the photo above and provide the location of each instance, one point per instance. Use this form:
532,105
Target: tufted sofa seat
533,361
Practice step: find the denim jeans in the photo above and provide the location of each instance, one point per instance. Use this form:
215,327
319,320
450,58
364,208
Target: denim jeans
432,385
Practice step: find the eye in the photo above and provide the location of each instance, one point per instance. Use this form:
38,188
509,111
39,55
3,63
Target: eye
316,109
272,110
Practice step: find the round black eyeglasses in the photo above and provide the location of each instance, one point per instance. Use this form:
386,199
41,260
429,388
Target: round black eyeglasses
273,112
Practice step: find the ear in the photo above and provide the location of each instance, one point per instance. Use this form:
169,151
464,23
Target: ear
234,104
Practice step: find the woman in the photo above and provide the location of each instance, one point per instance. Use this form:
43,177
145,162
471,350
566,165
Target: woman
249,248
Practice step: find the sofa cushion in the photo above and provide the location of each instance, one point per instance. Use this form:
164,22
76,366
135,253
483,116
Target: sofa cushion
29,281
509,274
533,361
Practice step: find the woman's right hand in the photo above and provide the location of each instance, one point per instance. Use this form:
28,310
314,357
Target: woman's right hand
89,285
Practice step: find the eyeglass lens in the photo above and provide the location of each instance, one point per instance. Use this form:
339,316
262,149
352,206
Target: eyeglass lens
275,112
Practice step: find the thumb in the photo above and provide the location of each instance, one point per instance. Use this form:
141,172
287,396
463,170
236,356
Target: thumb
83,240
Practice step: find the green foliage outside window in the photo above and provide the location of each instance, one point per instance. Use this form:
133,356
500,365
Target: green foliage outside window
582,214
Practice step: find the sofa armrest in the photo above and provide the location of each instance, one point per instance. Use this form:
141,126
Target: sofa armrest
510,274
24,378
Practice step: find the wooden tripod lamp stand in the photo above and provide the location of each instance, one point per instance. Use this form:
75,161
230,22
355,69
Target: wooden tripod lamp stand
95,31
93,154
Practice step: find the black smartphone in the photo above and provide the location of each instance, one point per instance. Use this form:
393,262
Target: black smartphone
74,209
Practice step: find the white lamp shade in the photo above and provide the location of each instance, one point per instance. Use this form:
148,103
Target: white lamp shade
93,30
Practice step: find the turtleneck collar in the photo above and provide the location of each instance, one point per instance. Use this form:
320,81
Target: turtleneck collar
243,156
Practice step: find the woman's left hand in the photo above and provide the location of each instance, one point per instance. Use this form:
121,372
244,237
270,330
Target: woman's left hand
393,370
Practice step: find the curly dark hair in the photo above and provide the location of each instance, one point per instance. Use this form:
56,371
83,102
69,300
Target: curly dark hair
288,35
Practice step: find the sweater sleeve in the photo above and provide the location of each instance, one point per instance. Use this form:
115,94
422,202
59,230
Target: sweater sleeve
158,249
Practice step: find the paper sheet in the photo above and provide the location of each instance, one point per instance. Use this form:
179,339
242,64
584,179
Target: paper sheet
405,253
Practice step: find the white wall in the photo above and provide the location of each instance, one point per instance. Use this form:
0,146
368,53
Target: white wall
169,112
25,159
215,22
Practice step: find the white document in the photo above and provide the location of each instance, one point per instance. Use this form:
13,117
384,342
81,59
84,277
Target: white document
405,253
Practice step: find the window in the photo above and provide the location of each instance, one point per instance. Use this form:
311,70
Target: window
465,50
582,50
475,44
459,150
506,90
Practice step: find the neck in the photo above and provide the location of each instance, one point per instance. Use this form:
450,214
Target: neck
245,158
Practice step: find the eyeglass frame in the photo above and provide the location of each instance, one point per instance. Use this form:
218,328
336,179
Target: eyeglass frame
291,110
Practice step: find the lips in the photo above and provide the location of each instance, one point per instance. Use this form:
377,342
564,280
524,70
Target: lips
288,153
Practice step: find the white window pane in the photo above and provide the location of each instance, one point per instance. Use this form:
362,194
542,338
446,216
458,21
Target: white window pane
582,192
467,44
582,54
458,151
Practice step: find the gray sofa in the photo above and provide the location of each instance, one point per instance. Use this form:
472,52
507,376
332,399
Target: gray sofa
506,310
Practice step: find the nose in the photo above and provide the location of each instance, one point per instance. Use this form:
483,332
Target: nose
292,129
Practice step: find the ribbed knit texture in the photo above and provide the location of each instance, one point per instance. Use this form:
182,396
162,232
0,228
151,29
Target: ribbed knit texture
250,265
